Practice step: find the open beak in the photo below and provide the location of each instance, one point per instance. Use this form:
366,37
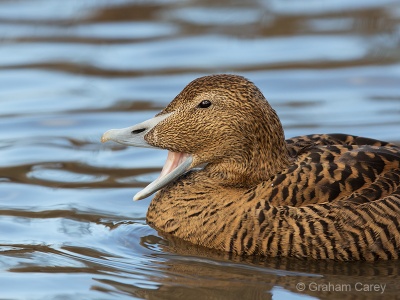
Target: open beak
176,164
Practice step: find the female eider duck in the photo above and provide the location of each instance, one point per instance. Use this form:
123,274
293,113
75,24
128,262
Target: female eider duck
232,182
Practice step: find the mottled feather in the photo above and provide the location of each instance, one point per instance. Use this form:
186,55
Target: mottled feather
322,196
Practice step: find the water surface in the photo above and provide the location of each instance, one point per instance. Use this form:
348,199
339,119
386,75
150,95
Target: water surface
71,70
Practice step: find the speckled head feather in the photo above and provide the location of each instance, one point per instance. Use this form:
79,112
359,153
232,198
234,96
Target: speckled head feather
322,196
219,134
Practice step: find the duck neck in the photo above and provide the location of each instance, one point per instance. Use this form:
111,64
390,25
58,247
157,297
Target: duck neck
249,169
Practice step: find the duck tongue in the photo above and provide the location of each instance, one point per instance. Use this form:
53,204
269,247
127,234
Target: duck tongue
175,165
174,159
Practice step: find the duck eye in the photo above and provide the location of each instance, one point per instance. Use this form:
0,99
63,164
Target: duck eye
204,104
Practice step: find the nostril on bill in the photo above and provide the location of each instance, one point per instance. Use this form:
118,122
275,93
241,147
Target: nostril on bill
138,131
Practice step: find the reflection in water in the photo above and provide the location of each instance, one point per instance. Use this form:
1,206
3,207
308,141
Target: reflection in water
71,70
172,270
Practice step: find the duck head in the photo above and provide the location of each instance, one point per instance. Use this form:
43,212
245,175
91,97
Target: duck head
222,122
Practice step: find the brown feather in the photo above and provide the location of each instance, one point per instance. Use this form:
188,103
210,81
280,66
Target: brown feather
323,196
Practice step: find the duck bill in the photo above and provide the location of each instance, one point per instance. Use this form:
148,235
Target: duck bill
175,165
133,135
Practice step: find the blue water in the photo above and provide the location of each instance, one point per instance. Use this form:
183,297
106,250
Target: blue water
71,70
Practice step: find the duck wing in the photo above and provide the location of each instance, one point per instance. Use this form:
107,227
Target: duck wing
299,144
333,168
340,199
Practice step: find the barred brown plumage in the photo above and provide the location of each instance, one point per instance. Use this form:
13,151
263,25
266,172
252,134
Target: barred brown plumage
322,196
